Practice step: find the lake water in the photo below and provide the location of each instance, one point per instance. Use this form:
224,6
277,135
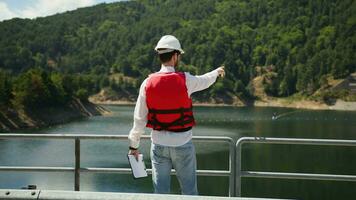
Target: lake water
233,122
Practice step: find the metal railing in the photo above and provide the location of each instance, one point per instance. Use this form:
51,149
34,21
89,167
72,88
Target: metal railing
77,169
234,172
281,175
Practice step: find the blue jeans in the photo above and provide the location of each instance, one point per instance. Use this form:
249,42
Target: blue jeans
183,160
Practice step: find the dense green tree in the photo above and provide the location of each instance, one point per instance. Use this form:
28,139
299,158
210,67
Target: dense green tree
301,40
5,88
31,89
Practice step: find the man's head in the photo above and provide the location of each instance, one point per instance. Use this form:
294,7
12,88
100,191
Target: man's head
169,50
170,58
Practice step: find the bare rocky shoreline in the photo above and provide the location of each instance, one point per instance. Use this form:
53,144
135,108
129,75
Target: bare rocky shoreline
303,104
11,120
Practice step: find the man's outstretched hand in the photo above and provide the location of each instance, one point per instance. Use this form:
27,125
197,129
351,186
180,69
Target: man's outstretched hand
221,71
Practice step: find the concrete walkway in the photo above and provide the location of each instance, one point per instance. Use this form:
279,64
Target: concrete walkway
71,195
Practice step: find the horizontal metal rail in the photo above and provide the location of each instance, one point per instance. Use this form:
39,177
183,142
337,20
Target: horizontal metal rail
282,175
305,176
223,173
37,169
77,169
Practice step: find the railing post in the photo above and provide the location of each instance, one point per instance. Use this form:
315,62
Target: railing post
77,165
232,168
238,167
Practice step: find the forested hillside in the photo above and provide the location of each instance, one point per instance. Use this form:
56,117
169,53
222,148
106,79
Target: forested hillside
110,46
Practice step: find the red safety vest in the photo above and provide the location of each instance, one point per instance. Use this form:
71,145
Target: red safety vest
169,106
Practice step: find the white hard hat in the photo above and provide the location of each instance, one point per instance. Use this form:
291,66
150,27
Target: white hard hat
168,43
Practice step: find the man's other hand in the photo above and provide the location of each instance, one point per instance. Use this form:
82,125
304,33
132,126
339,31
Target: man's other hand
135,153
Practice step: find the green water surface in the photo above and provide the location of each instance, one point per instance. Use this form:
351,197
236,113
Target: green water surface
233,122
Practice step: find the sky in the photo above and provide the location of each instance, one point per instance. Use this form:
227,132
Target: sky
40,8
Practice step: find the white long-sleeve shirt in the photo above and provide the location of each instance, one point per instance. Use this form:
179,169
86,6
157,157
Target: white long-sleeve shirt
166,138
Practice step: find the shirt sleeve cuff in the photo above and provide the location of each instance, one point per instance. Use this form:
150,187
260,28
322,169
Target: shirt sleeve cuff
216,73
134,143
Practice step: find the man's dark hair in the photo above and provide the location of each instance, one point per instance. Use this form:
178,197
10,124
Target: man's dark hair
165,57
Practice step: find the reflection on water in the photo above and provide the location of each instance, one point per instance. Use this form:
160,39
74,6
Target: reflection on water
212,121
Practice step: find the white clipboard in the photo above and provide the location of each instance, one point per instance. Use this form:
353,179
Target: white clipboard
138,167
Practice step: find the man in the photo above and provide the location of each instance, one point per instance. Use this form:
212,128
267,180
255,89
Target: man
164,104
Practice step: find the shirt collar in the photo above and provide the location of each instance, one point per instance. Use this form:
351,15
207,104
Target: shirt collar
167,69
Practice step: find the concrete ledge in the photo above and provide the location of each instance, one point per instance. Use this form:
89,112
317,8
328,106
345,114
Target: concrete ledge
19,194
72,195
